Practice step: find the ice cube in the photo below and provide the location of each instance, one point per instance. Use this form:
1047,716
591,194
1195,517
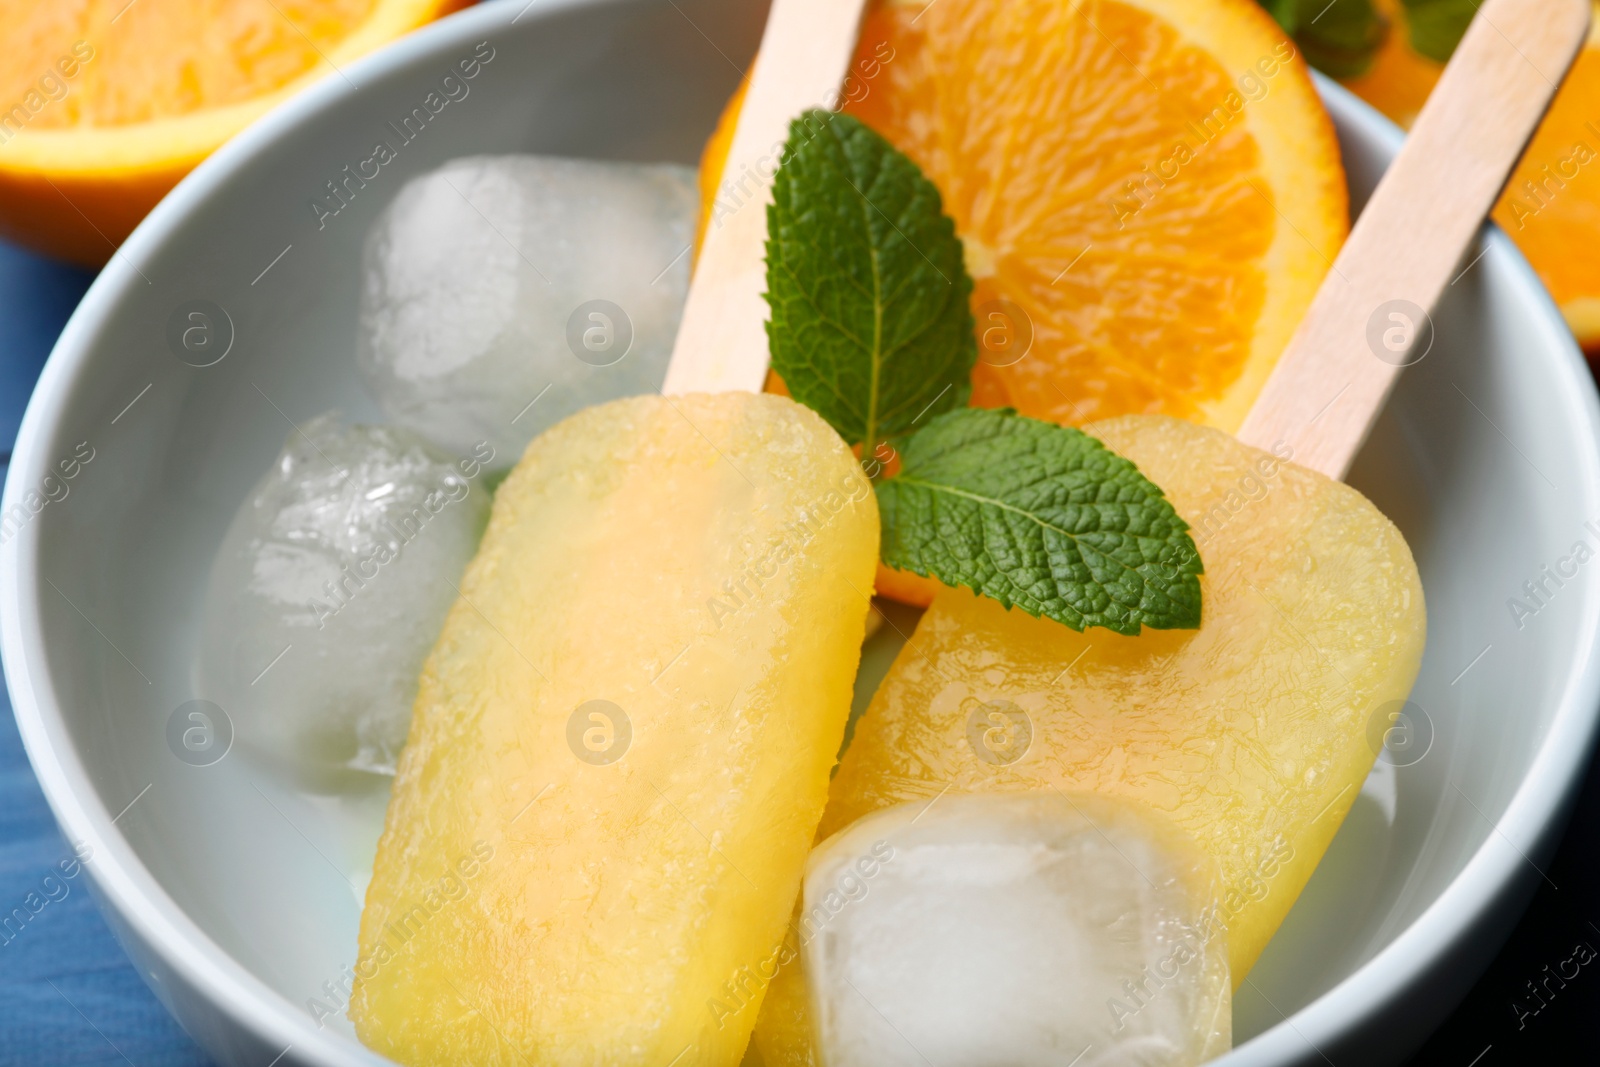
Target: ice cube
1016,929
330,587
502,293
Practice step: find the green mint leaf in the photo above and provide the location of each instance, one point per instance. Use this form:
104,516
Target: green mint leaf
1286,12
1043,517
1437,25
870,325
1338,38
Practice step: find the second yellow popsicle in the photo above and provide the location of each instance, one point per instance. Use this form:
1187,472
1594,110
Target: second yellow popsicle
1253,733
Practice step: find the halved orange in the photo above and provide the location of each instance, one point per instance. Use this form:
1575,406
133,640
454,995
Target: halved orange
1149,191
1150,188
105,104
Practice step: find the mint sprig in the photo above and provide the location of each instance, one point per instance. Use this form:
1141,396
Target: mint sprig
1042,517
871,329
870,325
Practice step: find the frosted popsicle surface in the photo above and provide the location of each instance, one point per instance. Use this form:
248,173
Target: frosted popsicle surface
622,741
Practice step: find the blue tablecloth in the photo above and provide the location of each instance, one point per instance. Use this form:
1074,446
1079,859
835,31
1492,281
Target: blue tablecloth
68,995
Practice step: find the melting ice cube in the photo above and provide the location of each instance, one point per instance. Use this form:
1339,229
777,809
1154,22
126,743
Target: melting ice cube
330,587
1015,929
503,293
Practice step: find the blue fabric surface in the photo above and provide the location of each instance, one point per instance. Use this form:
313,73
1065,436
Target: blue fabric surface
68,995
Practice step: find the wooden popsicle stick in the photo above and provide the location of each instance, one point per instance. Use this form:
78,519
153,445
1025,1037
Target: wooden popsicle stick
1370,314
722,341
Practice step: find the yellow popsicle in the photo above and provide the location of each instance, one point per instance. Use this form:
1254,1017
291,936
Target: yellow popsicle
1252,733
621,742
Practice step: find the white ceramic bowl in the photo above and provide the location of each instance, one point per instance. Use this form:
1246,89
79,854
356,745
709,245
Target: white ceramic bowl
234,895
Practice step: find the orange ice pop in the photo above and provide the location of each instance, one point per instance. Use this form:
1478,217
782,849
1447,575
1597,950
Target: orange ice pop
621,742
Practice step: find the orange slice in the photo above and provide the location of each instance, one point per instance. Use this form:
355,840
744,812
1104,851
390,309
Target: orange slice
105,104
1149,192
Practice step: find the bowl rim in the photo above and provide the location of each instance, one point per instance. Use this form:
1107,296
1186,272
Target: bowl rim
124,885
